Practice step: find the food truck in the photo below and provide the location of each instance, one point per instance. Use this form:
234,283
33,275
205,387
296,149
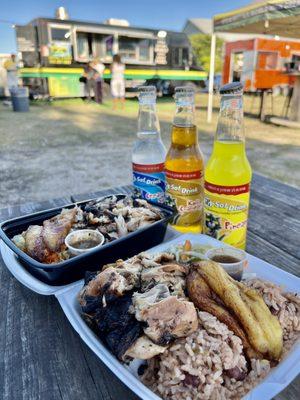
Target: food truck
53,52
260,63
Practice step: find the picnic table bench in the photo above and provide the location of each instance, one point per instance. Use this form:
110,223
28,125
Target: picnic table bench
42,357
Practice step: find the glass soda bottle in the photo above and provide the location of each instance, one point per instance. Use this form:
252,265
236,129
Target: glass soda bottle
184,166
149,152
228,173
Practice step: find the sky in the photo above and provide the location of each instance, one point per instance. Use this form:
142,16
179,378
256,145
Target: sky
161,14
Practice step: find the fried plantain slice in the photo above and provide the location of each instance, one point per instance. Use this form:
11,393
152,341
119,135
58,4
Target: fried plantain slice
267,321
262,328
204,299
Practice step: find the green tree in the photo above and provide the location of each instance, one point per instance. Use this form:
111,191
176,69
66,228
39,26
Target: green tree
201,49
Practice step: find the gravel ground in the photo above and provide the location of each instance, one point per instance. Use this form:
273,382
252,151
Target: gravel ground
69,147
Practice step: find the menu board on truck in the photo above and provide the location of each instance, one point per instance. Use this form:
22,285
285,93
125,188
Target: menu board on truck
60,53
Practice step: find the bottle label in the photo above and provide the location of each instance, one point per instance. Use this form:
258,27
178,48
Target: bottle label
231,103
149,181
184,192
226,213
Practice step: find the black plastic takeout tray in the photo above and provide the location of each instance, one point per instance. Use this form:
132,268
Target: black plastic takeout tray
74,268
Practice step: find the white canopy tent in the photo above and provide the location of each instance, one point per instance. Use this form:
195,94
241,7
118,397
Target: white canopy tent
273,17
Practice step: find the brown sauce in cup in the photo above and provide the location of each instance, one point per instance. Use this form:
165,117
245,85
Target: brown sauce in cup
225,259
85,244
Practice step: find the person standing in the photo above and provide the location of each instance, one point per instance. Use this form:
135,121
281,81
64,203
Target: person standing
99,68
11,67
117,83
88,80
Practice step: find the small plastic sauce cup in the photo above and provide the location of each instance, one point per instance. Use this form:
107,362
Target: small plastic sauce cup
235,268
76,240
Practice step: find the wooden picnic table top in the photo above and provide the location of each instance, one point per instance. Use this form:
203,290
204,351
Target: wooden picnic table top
42,357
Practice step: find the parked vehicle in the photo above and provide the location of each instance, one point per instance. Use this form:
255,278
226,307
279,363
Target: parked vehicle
259,63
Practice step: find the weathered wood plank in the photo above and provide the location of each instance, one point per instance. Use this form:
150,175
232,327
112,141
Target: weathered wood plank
127,189
276,222
108,382
275,189
42,357
261,248
28,208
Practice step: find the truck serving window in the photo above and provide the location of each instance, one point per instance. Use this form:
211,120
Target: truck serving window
102,46
83,48
60,34
135,49
180,56
267,60
144,50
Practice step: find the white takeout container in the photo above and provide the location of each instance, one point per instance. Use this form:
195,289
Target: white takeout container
275,382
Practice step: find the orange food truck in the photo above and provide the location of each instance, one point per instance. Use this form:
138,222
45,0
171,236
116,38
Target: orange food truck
260,63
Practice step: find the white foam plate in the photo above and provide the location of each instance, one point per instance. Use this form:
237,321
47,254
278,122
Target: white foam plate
275,382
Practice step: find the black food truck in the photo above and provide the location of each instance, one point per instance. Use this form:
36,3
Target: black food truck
53,52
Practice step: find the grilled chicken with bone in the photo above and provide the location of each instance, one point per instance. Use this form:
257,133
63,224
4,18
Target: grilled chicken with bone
163,269
44,243
162,316
115,279
166,316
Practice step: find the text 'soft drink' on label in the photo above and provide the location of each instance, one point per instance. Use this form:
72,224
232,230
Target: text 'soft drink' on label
149,181
226,212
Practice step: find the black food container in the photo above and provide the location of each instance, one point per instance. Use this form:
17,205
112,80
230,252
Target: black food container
74,268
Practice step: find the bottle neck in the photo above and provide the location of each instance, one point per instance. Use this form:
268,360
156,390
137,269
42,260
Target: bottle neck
231,119
184,132
184,115
148,123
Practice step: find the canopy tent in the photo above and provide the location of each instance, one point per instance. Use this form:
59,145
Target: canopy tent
273,17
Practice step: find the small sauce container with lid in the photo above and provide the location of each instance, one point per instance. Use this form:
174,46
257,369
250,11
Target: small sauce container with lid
83,240
232,260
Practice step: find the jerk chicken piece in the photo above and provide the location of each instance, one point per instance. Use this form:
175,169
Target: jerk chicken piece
106,301
143,349
56,229
34,244
115,280
163,269
166,316
112,321
124,213
44,243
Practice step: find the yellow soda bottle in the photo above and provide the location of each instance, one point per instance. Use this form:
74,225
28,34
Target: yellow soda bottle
184,166
228,173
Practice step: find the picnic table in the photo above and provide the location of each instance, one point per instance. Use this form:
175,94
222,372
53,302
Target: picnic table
43,358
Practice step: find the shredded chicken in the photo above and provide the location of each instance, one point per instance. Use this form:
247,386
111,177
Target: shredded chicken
166,316
143,349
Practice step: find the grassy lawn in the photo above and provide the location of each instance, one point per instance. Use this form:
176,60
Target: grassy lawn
68,147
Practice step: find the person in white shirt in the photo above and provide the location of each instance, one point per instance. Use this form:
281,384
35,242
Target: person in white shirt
117,83
99,68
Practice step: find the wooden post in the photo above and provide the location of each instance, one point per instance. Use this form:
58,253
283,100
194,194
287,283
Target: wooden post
263,97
